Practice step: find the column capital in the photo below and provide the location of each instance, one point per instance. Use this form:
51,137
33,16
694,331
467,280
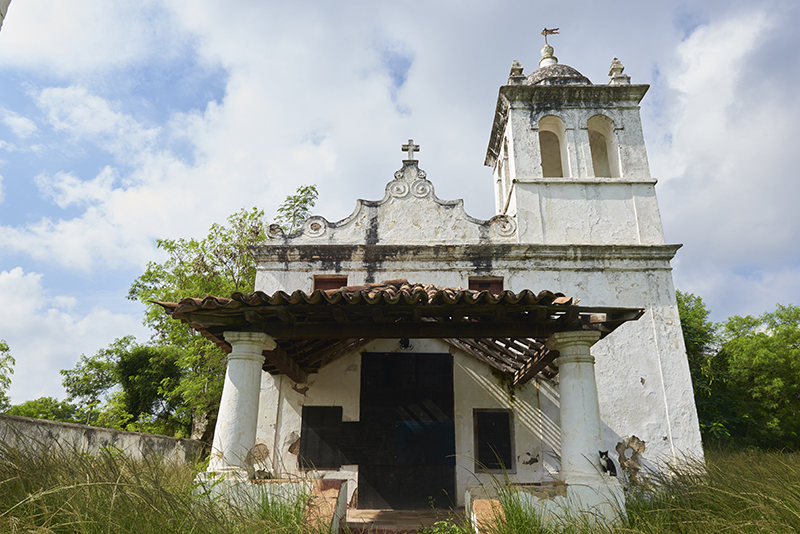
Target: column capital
561,340
250,337
249,345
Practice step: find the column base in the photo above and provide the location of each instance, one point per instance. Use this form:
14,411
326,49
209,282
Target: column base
592,502
592,506
215,474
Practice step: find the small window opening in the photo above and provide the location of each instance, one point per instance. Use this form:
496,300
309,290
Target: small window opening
493,285
494,441
320,429
597,142
329,281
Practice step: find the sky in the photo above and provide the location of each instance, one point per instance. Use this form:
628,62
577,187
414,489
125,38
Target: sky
122,123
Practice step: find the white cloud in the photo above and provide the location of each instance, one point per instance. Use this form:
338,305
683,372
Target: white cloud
22,127
728,190
65,189
9,147
45,336
86,116
76,38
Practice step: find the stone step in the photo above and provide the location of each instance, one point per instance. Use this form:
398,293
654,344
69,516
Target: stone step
398,521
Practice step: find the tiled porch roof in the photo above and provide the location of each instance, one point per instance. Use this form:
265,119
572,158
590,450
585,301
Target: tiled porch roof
505,330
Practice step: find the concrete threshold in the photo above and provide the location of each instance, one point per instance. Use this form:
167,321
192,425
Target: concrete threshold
398,521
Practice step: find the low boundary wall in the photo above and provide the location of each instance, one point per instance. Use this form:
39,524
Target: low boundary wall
26,432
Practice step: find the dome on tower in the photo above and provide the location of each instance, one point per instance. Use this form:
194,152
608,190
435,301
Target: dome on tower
550,72
556,74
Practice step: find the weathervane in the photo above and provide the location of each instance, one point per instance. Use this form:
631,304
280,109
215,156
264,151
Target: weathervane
546,32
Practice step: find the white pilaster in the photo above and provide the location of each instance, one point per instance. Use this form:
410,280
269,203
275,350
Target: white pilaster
235,433
580,410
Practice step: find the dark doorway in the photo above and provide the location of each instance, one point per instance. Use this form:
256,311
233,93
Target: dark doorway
406,433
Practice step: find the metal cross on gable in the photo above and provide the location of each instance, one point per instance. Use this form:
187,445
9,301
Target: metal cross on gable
411,148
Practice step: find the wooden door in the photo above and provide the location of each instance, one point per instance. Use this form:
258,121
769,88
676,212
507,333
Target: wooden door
406,442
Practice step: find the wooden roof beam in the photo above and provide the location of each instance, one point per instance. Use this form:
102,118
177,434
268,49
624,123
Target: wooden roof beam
534,367
285,364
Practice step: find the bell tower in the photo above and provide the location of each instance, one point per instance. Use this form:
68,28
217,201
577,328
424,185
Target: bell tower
569,158
571,171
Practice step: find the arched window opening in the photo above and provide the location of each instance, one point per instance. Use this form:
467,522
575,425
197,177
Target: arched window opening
553,148
602,142
551,154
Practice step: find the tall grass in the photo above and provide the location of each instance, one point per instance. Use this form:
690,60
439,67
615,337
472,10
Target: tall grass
733,492
62,491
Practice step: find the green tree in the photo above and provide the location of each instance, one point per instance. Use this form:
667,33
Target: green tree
92,378
6,370
47,408
220,265
296,208
708,369
130,386
149,376
763,365
177,378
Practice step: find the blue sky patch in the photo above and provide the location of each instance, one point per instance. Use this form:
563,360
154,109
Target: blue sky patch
687,19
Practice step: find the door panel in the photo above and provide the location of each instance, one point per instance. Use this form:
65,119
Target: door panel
406,442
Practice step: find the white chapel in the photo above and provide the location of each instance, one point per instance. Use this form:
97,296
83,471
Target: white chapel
416,352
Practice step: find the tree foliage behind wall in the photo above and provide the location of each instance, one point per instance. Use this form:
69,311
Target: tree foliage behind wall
6,370
173,383
745,374
762,359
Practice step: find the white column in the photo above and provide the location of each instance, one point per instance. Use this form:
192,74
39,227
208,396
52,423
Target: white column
235,433
580,411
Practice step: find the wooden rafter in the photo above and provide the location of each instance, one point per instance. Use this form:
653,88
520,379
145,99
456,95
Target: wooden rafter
285,364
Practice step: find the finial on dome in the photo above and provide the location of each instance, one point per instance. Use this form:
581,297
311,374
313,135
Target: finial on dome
547,52
615,72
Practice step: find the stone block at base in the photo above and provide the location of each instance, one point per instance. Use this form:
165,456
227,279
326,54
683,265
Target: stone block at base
599,501
585,504
326,500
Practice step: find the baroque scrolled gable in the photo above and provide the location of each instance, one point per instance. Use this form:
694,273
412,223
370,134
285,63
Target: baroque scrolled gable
409,213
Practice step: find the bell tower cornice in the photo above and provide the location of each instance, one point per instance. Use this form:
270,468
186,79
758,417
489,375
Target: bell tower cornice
554,97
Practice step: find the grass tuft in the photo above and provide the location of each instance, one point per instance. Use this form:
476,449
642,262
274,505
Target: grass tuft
733,492
63,491
752,491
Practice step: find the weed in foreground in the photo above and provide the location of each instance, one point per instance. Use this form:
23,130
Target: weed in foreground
751,491
63,491
732,492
